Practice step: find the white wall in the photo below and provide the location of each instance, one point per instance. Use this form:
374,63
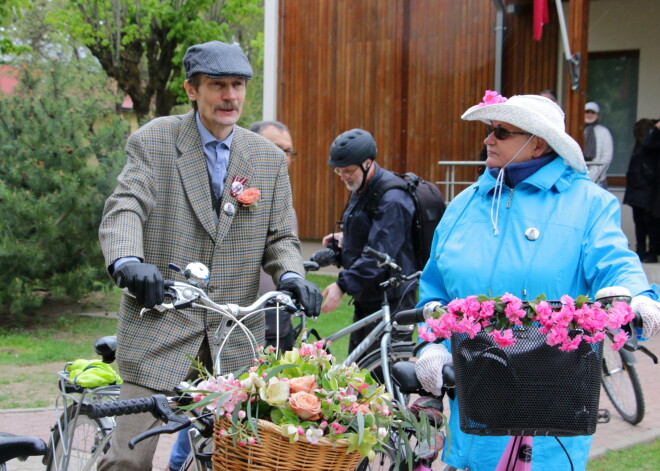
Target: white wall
616,25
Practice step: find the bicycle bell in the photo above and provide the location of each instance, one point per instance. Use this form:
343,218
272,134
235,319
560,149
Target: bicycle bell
197,274
608,296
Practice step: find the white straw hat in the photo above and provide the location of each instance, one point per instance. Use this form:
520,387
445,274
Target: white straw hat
537,115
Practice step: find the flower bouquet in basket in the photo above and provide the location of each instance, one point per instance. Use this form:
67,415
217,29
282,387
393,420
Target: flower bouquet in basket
298,411
566,323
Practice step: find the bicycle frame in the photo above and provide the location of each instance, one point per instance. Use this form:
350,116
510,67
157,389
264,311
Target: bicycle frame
63,403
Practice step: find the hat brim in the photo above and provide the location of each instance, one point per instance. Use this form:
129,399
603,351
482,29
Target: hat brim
535,123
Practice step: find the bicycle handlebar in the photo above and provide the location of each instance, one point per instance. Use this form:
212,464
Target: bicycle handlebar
157,403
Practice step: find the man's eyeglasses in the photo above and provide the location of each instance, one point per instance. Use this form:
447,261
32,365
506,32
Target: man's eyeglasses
289,152
501,134
344,172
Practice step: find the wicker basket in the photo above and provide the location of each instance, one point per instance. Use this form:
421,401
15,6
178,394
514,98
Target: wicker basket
276,453
529,388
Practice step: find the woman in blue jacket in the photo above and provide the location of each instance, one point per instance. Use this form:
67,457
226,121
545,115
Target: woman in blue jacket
532,224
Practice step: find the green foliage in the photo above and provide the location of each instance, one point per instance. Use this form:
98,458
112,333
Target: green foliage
61,147
10,11
141,43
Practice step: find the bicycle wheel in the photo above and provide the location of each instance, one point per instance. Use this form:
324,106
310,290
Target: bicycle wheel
87,438
399,351
622,385
372,362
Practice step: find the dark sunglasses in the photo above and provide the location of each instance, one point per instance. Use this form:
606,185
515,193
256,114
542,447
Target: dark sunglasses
501,133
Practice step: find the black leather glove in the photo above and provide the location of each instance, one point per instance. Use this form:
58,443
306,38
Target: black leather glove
307,294
143,280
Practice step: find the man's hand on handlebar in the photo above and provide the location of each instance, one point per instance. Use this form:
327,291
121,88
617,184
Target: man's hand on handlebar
305,292
143,280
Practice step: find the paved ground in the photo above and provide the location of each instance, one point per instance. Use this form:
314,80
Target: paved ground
616,434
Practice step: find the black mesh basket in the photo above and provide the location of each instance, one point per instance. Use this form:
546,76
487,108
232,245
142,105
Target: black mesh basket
529,388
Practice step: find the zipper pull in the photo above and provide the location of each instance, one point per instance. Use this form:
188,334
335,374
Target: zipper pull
508,201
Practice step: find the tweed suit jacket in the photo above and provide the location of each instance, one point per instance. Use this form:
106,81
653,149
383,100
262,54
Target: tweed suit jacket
161,211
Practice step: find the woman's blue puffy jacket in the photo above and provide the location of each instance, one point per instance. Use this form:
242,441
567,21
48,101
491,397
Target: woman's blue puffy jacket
580,249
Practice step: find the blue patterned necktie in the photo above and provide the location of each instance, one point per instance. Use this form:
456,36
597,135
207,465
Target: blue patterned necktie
219,170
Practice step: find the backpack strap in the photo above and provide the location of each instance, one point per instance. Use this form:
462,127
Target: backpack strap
377,192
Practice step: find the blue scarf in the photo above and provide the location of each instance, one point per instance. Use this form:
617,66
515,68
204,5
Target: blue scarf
515,173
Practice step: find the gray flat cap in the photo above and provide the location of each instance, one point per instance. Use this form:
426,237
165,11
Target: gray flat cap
216,59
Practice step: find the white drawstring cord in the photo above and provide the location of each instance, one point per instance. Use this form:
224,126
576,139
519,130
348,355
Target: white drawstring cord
497,192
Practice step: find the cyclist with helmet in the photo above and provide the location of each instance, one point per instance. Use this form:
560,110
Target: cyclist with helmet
388,229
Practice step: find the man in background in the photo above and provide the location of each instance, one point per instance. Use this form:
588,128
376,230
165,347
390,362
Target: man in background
598,145
388,229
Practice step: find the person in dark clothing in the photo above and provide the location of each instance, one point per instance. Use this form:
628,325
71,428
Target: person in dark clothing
642,193
388,229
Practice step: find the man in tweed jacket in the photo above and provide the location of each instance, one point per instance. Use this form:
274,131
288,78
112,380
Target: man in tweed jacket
175,203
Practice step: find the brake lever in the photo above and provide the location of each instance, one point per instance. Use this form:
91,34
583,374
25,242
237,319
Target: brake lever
170,428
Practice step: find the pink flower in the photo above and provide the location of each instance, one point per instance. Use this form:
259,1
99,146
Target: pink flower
503,338
491,98
487,309
303,383
568,345
556,335
619,339
305,405
249,196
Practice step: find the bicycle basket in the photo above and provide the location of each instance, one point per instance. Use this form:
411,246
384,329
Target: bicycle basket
529,388
275,452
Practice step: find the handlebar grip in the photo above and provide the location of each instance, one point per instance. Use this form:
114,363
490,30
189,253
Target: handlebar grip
448,376
410,316
381,257
127,406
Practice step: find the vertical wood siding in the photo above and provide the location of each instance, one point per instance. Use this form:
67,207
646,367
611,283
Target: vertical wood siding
405,70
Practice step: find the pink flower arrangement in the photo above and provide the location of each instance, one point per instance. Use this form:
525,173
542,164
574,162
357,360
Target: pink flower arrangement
566,323
491,98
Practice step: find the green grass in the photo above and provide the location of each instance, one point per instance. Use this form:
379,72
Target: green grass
644,457
30,359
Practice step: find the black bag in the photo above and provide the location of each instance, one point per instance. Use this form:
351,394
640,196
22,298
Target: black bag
529,388
429,208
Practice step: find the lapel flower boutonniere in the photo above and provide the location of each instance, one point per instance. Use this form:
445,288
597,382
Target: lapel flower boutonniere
249,197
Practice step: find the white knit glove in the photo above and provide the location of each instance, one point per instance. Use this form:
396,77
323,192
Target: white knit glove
428,367
649,311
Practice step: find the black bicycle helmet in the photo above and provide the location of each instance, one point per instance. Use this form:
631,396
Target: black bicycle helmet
352,148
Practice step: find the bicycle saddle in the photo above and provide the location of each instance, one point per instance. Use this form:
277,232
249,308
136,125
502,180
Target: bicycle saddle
106,347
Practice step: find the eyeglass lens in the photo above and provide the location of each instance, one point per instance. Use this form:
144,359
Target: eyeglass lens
501,133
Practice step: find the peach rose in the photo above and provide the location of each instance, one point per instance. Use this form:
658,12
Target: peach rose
305,405
249,196
304,383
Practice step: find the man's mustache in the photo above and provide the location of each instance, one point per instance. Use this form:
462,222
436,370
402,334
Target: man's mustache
229,106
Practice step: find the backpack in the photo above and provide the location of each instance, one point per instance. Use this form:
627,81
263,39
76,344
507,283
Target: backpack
429,208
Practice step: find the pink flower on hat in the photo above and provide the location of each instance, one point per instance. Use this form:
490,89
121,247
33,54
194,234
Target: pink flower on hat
491,98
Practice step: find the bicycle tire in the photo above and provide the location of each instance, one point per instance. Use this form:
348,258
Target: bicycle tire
385,460
622,385
399,351
88,434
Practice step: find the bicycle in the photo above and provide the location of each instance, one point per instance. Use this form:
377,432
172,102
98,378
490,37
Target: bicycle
382,322
620,380
19,447
82,433
378,362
